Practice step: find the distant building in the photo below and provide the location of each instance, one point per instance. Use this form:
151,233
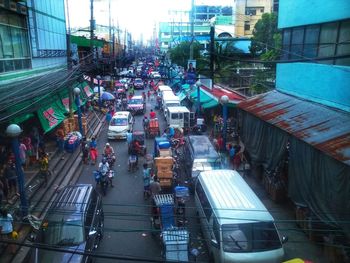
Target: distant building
247,13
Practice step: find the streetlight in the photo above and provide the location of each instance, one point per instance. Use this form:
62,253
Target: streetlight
98,77
198,84
224,100
13,131
76,91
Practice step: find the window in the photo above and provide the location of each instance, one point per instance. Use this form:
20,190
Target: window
204,201
14,42
250,11
246,26
297,43
311,41
250,237
343,47
327,40
328,37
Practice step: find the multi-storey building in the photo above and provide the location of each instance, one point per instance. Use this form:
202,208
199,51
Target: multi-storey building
247,13
304,125
34,79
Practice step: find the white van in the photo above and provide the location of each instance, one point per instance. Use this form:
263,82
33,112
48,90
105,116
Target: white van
169,100
235,223
178,117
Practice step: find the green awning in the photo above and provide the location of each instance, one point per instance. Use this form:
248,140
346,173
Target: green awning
22,118
51,115
210,104
204,98
87,90
85,42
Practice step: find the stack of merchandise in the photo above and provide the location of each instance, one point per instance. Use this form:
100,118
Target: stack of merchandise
164,167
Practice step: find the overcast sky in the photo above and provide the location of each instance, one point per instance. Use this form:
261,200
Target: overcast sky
137,16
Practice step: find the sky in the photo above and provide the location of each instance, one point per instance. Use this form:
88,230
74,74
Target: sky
136,16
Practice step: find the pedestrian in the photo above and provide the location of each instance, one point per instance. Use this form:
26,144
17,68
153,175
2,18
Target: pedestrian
11,177
44,167
148,94
155,187
22,153
146,181
231,153
28,143
85,150
108,117
6,230
93,150
60,141
237,159
4,187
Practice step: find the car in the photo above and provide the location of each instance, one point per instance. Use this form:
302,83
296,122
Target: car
121,123
138,83
73,222
136,105
155,75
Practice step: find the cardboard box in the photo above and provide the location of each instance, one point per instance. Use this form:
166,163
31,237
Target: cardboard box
167,160
165,182
165,175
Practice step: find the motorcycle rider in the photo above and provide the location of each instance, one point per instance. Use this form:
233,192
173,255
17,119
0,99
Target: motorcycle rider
108,152
103,168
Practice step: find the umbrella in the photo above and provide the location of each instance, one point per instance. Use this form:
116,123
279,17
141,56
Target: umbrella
101,89
107,96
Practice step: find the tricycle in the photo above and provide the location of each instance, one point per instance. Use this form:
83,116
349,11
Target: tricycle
137,145
152,129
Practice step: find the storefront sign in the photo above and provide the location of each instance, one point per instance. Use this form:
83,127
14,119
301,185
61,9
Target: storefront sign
49,114
88,91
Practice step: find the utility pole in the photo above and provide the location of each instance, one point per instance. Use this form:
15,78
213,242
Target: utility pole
212,50
92,26
110,35
69,62
192,29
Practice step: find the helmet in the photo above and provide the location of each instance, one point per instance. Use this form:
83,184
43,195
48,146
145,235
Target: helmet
104,160
107,144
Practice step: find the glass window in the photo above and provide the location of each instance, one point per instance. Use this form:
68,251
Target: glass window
250,237
119,122
5,36
343,47
204,201
286,36
297,35
311,34
174,116
328,38
64,233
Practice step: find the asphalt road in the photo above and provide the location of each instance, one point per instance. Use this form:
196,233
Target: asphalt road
127,214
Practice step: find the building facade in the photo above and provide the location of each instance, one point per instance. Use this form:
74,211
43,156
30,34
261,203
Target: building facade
247,13
301,130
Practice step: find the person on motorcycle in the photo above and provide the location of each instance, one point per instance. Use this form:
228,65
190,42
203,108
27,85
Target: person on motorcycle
108,152
132,156
103,168
152,114
145,123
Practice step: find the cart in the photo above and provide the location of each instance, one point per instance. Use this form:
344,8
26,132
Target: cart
153,128
176,244
162,213
138,136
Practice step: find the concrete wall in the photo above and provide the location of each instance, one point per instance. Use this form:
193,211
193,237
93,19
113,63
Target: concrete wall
304,12
329,85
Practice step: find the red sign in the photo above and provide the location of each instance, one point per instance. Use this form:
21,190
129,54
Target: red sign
49,114
65,102
87,91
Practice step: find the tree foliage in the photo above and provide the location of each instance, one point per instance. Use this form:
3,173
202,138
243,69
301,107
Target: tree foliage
181,53
266,40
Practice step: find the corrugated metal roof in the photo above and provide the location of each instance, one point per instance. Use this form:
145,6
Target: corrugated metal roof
325,128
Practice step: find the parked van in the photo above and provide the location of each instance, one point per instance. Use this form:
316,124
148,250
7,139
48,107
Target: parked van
200,155
74,222
179,117
169,100
235,223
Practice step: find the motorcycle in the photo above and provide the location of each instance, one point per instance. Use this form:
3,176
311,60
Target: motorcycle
110,159
104,179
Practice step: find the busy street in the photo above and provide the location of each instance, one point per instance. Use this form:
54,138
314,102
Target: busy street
174,131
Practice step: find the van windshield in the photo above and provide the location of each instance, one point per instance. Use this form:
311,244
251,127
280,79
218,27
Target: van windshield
250,237
119,122
65,233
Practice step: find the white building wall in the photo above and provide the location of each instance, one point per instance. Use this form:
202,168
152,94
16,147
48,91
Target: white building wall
48,33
